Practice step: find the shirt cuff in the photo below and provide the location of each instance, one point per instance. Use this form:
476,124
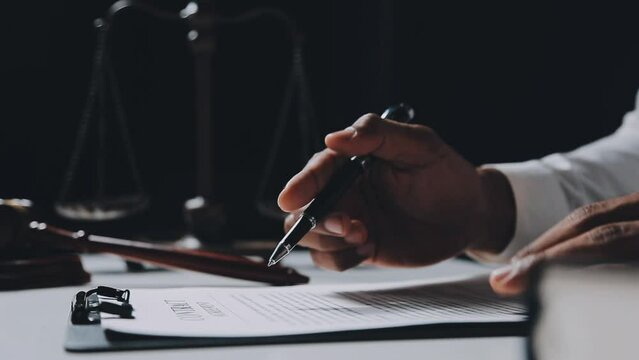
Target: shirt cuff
539,203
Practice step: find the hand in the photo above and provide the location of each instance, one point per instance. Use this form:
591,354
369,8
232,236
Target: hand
420,202
606,231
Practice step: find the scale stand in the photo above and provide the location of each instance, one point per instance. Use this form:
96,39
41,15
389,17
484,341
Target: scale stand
204,214
101,204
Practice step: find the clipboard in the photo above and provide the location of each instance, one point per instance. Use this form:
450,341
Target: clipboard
85,333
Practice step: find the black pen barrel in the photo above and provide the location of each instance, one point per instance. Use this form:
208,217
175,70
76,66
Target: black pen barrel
339,183
346,175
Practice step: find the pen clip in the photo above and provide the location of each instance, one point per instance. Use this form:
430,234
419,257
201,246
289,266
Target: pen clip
401,112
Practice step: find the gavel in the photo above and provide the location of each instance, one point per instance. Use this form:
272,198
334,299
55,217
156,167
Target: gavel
33,251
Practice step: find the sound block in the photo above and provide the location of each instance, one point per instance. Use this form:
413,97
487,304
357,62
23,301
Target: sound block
31,271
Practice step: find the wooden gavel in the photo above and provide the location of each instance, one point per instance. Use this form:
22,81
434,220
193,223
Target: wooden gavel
19,234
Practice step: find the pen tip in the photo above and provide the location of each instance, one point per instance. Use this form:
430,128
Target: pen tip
271,262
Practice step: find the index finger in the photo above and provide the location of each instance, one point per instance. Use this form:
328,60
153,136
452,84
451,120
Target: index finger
402,144
306,184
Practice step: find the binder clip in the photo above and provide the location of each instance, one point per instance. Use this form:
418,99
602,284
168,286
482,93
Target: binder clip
86,307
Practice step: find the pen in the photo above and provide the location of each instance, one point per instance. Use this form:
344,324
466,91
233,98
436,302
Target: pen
341,181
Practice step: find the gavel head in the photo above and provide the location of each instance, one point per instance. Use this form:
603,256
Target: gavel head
25,263
20,235
14,215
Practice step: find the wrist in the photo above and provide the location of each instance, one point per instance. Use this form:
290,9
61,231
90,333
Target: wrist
496,220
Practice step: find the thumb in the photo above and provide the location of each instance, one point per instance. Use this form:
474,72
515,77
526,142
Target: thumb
404,144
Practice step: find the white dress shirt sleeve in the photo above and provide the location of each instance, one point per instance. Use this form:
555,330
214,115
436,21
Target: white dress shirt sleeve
548,189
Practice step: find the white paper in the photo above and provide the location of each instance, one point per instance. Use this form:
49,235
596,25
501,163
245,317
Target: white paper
305,309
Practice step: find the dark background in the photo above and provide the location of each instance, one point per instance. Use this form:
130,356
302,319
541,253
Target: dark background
500,81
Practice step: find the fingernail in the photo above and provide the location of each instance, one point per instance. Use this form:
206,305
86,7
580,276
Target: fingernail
366,250
341,135
288,183
351,131
524,263
507,273
500,274
517,257
334,225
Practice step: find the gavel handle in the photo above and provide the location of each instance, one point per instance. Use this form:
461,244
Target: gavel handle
197,260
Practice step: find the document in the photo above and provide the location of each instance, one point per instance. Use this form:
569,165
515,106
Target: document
309,309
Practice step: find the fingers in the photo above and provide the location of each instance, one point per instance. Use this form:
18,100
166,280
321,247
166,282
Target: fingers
513,279
304,186
353,250
610,242
322,240
584,219
399,143
338,261
403,145
338,243
353,234
607,243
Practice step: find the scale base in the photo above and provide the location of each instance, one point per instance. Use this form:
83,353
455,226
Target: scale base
205,221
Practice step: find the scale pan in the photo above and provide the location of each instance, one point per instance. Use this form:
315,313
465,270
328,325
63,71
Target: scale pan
102,210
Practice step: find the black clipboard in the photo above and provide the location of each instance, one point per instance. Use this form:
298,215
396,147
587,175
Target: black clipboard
85,333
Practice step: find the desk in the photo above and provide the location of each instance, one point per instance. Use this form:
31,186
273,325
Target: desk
33,322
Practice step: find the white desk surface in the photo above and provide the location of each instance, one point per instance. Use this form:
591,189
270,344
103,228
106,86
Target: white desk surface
33,322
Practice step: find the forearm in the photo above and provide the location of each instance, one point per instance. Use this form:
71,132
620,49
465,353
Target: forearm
545,191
